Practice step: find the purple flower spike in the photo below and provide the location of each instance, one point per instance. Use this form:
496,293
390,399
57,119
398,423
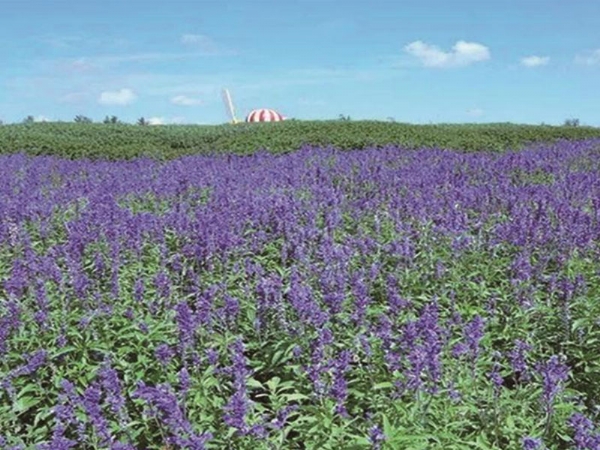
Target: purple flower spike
164,354
376,437
585,436
92,405
474,332
553,373
530,443
518,359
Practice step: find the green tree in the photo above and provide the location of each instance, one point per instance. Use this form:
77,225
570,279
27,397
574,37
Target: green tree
29,119
82,119
143,122
111,119
571,123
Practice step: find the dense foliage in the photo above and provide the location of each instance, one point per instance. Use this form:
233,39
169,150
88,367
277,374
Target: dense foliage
121,141
320,299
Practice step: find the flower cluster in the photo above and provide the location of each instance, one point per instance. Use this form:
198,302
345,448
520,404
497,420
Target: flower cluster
229,299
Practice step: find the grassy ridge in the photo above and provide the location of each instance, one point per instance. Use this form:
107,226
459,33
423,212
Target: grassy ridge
124,141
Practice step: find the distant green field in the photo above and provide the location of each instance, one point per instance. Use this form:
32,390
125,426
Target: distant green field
124,141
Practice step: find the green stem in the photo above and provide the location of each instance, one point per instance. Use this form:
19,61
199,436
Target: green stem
548,423
496,419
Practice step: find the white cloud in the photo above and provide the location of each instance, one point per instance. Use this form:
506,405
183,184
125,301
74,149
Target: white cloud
462,54
535,61
475,112
121,97
183,100
69,42
156,121
96,63
192,39
41,119
205,44
164,121
81,65
590,58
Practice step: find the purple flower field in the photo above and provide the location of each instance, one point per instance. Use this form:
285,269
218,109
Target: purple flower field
322,299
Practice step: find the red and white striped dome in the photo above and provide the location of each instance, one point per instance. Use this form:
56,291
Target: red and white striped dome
264,115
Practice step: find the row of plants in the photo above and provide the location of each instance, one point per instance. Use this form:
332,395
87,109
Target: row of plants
323,299
124,141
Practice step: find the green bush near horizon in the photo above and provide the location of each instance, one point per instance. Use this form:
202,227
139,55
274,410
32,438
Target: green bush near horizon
126,141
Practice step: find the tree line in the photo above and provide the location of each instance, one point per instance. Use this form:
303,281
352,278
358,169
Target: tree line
84,119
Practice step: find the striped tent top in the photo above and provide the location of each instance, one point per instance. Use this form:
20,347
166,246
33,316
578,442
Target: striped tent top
264,115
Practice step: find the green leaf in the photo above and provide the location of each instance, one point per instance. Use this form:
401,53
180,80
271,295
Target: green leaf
24,403
251,382
483,443
388,430
63,351
295,397
383,385
29,388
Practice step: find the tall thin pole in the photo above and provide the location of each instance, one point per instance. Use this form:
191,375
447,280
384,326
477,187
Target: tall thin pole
229,105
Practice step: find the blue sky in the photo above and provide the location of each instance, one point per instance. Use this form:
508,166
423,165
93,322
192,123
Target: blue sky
420,61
